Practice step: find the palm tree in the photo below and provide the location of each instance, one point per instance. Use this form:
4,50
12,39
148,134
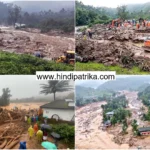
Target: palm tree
55,86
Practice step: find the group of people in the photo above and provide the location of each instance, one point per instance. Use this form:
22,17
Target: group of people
31,119
129,23
41,134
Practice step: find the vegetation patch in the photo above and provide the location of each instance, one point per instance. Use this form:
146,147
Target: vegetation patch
11,63
92,66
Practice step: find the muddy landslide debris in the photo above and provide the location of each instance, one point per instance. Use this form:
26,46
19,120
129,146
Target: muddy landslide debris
113,47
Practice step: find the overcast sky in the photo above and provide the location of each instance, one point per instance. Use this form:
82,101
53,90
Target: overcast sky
22,86
112,3
82,82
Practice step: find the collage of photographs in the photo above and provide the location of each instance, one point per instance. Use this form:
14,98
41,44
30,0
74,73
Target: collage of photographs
73,36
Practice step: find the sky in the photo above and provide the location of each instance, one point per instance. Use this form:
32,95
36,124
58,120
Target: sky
22,86
112,3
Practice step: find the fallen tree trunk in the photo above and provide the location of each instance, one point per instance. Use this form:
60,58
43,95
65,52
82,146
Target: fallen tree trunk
11,120
12,144
10,116
3,144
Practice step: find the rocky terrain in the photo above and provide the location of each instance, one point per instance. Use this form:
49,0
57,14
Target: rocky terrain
115,47
32,40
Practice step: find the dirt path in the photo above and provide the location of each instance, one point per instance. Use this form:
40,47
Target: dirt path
18,41
88,131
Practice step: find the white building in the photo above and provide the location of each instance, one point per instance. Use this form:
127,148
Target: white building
59,109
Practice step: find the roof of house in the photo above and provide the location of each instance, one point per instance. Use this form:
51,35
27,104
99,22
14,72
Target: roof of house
110,113
144,129
57,104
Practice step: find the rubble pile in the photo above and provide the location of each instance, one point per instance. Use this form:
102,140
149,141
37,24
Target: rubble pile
10,135
12,127
11,116
112,52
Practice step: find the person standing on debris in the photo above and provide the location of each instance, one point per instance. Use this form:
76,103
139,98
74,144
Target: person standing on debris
35,128
30,132
37,118
29,120
25,118
39,135
89,33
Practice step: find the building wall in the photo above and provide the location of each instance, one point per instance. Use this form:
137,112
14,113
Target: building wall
66,115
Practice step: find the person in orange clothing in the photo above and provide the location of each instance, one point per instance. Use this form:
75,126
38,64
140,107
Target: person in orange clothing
137,26
35,128
113,22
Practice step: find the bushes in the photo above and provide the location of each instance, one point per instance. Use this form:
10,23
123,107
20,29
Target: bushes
11,63
66,132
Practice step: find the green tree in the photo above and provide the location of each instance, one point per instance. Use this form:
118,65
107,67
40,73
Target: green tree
55,86
134,125
14,13
113,120
5,98
122,12
124,128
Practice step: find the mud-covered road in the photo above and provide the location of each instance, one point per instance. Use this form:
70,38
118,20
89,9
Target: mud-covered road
29,41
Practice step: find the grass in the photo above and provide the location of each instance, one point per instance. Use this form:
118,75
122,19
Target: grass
91,66
11,63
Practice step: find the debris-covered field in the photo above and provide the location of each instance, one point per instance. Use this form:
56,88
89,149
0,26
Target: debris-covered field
89,127
123,47
12,126
31,40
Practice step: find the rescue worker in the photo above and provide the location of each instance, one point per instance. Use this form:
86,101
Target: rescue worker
39,135
30,132
137,26
35,128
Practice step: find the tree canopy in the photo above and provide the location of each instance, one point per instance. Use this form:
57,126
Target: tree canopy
55,86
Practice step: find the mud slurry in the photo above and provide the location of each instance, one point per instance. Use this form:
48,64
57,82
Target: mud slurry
89,134
25,42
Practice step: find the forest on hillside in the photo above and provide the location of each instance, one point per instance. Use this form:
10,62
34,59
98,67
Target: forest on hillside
89,15
44,20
